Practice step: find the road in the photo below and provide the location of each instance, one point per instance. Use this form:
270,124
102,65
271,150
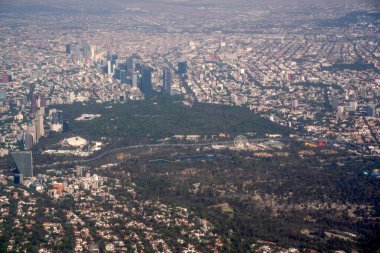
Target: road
115,150
163,145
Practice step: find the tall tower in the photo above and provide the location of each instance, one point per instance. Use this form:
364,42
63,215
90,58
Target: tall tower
167,82
40,124
130,66
109,68
135,80
146,82
92,49
182,68
123,76
68,49
31,129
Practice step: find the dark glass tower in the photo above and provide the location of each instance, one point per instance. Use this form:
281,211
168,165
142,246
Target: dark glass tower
24,162
146,81
182,68
68,49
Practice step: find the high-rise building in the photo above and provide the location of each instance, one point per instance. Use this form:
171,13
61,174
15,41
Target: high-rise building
31,129
114,59
167,82
109,69
68,49
182,68
93,51
130,66
24,162
135,80
146,82
86,49
40,131
37,102
123,76
28,140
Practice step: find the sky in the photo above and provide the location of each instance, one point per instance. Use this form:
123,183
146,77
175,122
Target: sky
99,6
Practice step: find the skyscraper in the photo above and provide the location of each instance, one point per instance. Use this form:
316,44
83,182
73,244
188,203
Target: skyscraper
182,68
130,66
40,131
92,49
146,82
31,129
86,49
24,162
135,80
68,49
28,141
167,82
123,76
109,69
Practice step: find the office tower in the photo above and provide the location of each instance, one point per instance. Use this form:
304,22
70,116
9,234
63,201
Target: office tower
116,73
35,103
92,49
135,80
68,49
31,129
28,140
167,82
86,49
123,76
114,59
138,67
130,66
40,123
371,110
182,68
146,82
109,69
42,101
123,66
24,162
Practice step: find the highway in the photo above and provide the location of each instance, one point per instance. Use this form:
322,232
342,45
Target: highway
163,145
230,142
